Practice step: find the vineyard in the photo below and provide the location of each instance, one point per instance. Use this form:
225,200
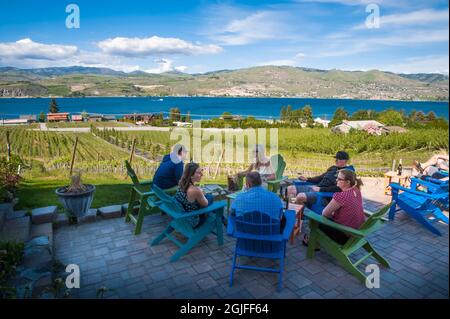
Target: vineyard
310,151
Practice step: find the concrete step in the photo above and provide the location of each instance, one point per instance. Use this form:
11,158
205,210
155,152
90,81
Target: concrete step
44,215
42,230
16,214
17,229
108,212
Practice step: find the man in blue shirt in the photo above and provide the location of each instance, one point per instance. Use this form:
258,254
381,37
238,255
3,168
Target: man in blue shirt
171,168
256,198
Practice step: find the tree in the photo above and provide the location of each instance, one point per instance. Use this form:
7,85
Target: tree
42,117
188,116
84,115
431,116
362,115
53,106
339,115
307,116
174,114
391,118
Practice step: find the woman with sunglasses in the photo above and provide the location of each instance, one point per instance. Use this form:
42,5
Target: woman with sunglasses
346,207
189,195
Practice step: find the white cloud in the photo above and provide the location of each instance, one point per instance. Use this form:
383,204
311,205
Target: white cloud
142,47
165,65
233,26
28,49
300,55
419,17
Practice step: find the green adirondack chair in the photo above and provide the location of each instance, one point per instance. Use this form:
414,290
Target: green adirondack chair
180,223
358,239
272,185
140,196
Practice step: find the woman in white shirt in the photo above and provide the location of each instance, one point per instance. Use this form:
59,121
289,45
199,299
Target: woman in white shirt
261,164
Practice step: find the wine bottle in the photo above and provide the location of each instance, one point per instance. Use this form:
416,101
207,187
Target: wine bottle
399,168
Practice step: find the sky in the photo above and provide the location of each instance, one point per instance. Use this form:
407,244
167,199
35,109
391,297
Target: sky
402,36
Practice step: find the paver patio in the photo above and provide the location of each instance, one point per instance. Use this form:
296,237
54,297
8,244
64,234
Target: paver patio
109,255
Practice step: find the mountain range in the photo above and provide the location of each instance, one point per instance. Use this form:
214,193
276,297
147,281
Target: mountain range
264,81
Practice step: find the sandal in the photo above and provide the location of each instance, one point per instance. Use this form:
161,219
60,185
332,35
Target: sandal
418,166
305,242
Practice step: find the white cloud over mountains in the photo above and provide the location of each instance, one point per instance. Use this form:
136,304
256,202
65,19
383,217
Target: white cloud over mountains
28,49
142,47
120,54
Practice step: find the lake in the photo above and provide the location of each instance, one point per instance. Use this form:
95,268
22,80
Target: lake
207,107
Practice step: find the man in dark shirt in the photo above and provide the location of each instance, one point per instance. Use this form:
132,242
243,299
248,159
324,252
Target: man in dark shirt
324,183
171,168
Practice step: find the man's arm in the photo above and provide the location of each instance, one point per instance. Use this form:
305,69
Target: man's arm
330,189
315,179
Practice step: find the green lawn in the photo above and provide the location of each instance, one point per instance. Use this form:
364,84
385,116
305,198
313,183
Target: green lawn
39,191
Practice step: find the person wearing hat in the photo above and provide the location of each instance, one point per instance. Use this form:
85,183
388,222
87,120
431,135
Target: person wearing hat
323,183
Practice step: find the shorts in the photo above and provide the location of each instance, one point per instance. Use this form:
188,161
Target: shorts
311,196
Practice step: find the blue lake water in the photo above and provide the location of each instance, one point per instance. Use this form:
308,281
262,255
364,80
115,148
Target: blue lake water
207,107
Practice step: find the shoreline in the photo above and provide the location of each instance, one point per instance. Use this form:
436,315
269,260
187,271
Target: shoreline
223,97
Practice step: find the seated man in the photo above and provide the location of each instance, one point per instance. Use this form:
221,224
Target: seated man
432,166
325,182
170,170
256,198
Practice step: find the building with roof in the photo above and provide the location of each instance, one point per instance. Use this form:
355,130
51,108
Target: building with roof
320,121
58,117
14,122
31,118
369,126
77,118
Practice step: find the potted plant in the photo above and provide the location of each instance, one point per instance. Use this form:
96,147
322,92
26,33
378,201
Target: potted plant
9,182
76,197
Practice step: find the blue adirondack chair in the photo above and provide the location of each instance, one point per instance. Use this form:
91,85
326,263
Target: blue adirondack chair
432,188
259,235
319,205
419,205
180,223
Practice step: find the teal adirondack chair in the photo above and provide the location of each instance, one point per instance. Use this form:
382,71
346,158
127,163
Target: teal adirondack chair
142,197
358,239
180,223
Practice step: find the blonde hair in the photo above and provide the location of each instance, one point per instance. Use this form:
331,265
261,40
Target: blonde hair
350,176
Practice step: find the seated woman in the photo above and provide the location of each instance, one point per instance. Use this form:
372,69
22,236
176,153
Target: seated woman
190,196
432,166
261,164
346,207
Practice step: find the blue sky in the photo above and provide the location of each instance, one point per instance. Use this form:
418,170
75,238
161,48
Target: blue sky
200,36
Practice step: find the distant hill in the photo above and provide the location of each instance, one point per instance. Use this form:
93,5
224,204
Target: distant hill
427,77
264,81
